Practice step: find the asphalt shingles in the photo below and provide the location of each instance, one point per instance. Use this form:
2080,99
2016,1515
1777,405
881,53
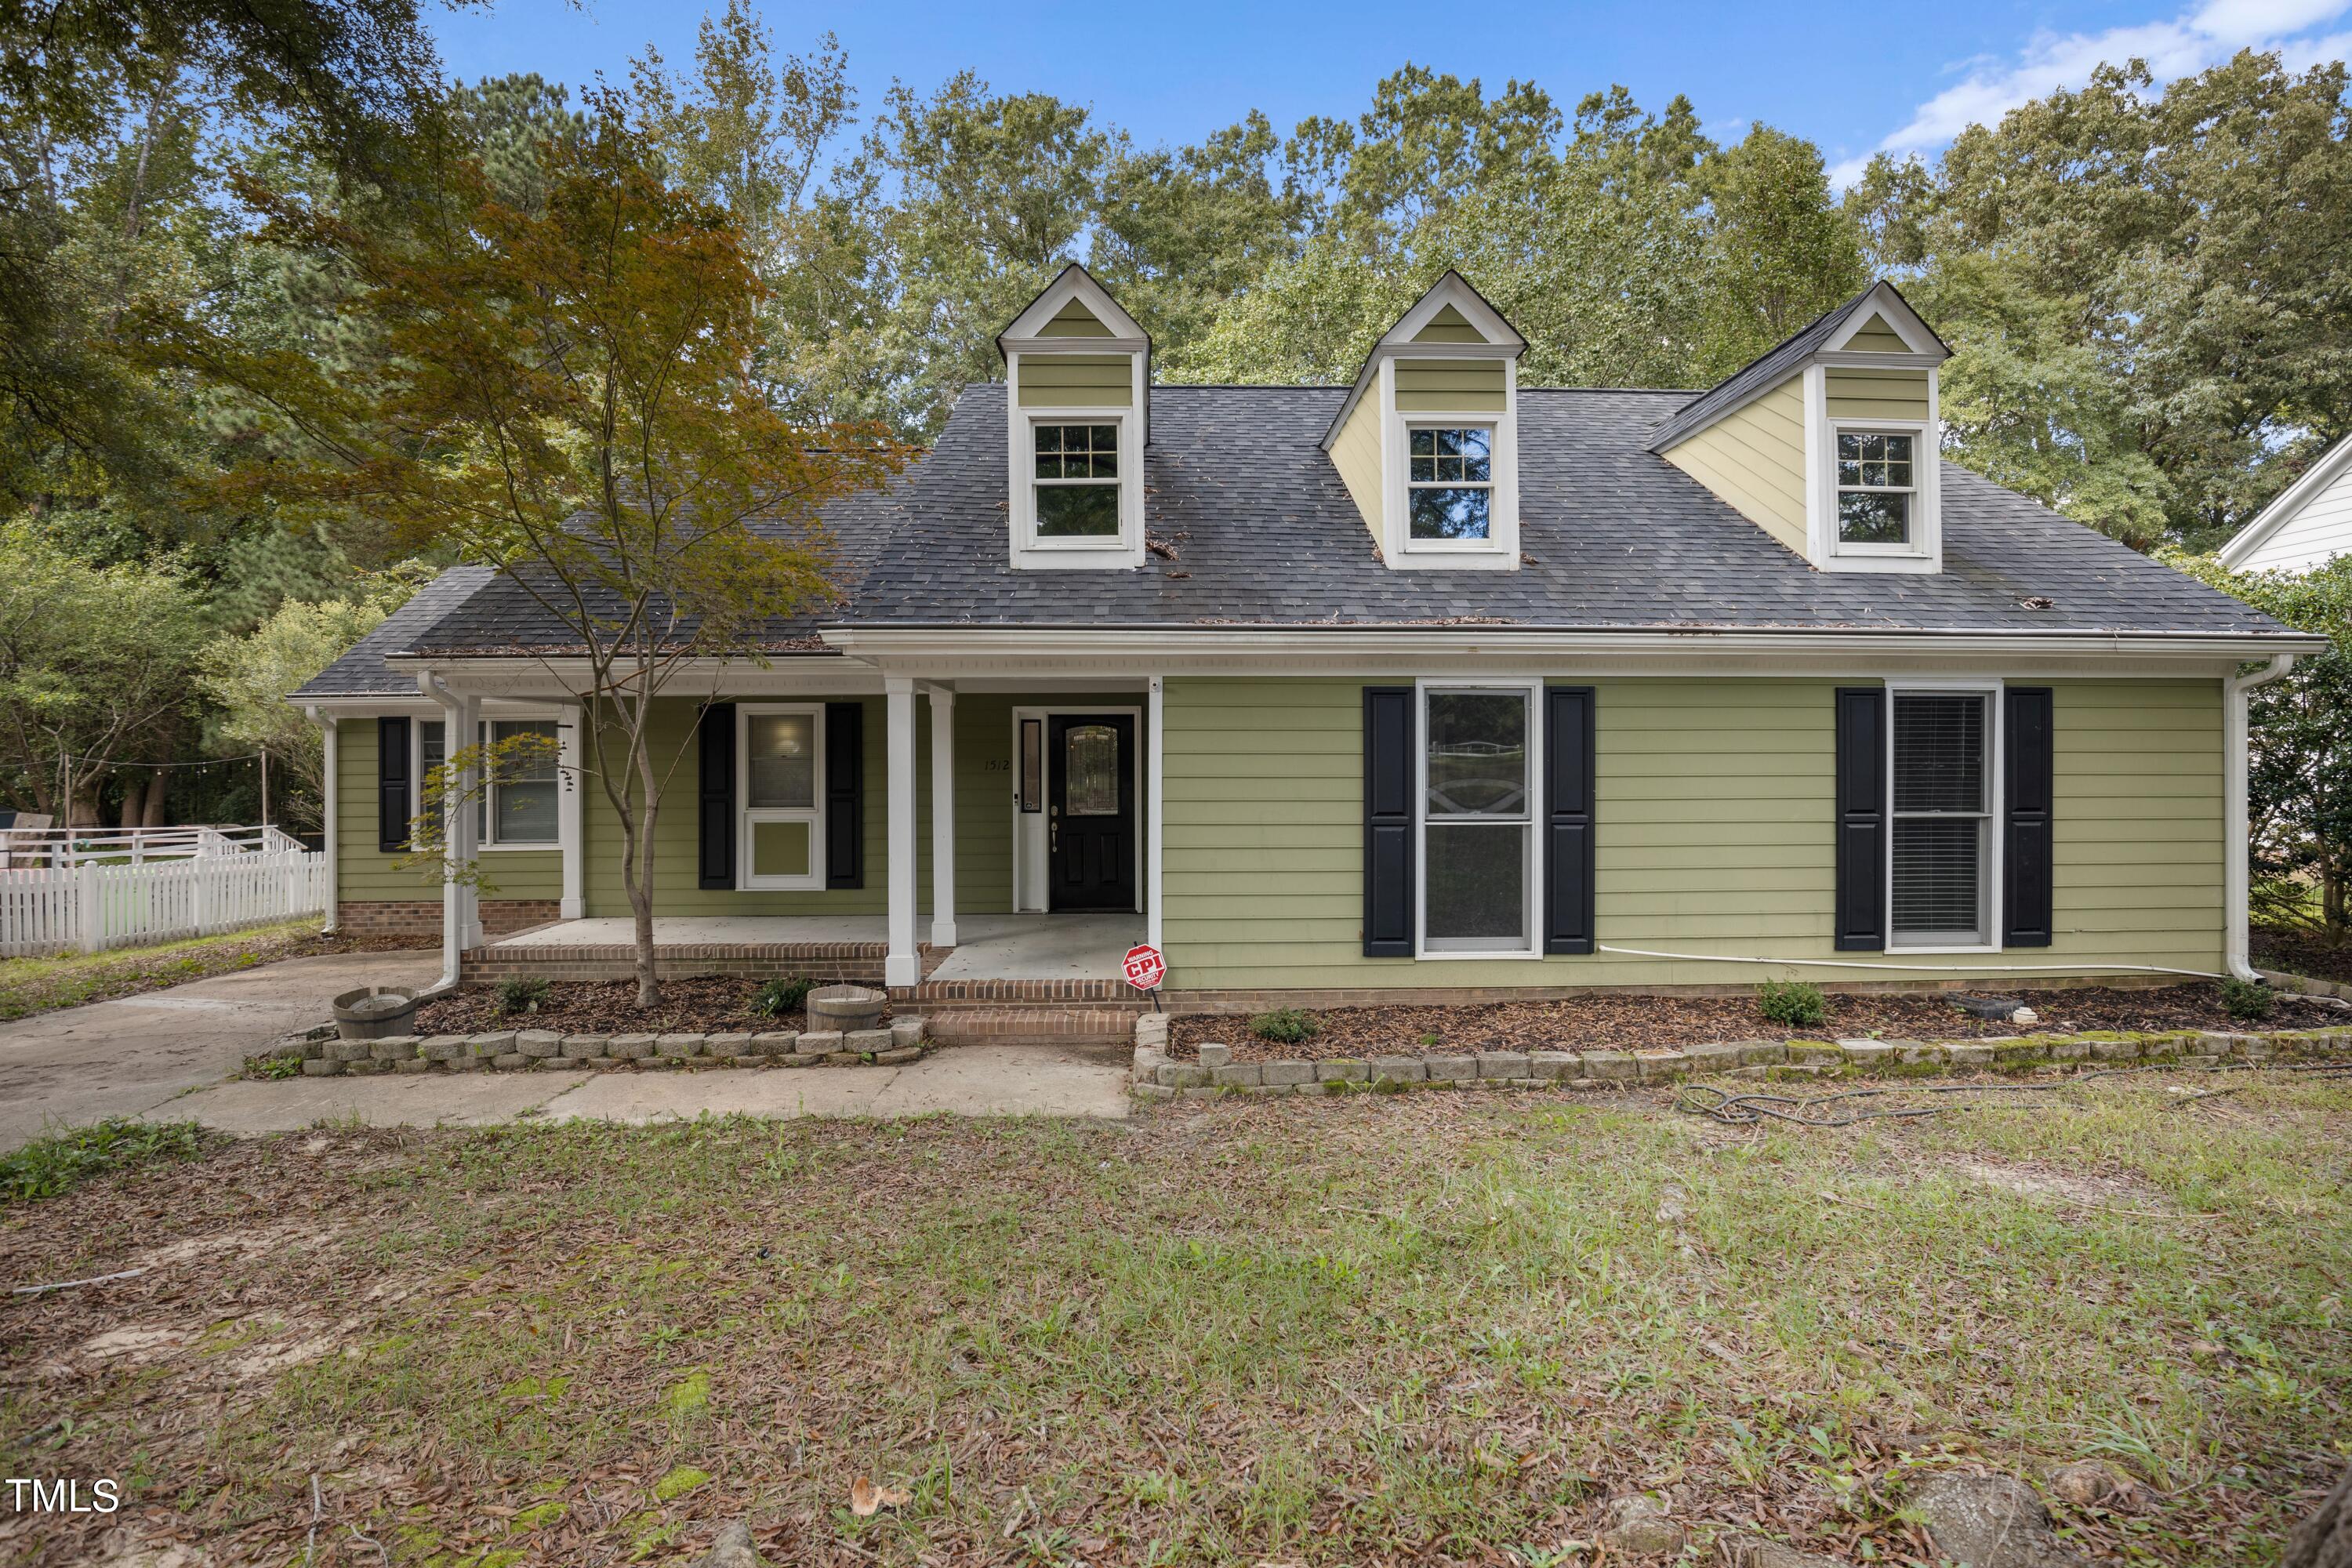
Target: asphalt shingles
1240,494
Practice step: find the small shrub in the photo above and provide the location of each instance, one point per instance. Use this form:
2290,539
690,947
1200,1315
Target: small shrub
1284,1026
774,998
522,994
1792,1003
47,1166
273,1067
2249,1000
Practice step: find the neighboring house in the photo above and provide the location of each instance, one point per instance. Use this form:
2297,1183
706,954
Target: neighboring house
2308,525
1435,684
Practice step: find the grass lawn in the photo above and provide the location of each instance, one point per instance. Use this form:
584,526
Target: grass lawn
1424,1328
29,986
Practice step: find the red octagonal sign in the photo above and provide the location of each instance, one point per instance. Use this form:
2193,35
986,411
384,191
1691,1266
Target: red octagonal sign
1145,968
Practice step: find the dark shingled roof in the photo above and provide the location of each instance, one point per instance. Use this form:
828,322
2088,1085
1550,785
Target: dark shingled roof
1614,536
1262,532
362,672
1759,375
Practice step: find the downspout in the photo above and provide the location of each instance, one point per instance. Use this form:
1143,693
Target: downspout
2238,851
461,925
327,822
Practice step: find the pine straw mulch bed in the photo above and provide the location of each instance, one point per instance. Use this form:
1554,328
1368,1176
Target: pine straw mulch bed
1626,1022
699,1004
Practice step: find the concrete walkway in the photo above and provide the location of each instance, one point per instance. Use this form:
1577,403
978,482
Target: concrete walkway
170,1054
135,1054
959,1080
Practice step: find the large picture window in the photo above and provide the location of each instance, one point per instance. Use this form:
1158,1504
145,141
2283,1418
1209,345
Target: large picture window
1477,790
1076,477
1941,844
780,751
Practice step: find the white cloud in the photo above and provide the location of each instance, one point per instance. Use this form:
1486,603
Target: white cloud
2187,44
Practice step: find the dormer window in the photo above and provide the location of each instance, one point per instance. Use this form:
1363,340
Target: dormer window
1076,481
1451,482
1877,479
1077,385
1427,439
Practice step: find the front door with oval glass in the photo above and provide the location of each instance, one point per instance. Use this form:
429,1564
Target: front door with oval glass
1090,840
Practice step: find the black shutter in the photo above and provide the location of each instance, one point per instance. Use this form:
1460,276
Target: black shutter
1568,819
1388,821
717,798
1861,818
2027,714
845,794
394,801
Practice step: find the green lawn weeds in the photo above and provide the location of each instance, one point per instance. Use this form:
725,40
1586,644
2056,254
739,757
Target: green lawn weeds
1431,1328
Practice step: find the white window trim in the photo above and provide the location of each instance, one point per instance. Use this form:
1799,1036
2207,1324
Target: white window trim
1995,810
1922,490
1530,687
1499,551
487,843
1492,424
1031,552
747,814
1924,552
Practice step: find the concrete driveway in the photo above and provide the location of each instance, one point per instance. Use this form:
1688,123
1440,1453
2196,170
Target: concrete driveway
132,1055
171,1052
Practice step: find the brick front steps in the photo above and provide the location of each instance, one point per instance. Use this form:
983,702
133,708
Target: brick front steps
1026,1012
1157,1077
323,1055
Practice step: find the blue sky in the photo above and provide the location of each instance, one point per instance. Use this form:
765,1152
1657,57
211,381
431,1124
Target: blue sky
1853,77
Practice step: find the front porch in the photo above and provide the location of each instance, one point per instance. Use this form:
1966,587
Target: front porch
996,955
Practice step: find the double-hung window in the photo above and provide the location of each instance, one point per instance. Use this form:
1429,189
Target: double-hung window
519,806
1477,790
780,750
1450,482
1940,874
1076,479
1877,487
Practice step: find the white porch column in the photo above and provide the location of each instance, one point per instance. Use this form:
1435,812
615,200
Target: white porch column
567,796
943,843
1154,818
903,965
461,902
329,819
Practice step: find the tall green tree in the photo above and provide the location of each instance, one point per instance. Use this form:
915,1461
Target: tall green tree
1780,251
566,393
2147,290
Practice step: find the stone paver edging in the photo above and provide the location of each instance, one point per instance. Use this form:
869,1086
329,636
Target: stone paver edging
1156,1077
324,1054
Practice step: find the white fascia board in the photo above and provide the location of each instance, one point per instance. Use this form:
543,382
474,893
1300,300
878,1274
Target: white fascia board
1035,652
1884,302
567,679
2285,506
1074,282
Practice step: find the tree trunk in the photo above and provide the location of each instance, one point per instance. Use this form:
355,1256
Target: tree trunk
641,905
2324,1540
129,817
154,815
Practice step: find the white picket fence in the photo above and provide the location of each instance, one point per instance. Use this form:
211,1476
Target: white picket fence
95,905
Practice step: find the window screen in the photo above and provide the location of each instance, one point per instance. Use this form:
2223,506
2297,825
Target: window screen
1942,829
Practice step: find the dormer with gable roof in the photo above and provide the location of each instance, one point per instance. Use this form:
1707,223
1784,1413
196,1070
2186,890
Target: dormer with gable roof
1830,442
1077,377
1428,439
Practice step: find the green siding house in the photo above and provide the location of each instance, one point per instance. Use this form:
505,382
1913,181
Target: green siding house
1435,685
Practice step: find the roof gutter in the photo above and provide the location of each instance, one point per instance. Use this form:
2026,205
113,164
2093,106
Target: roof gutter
1099,640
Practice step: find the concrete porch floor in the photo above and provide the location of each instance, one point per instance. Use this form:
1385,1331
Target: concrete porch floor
990,947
